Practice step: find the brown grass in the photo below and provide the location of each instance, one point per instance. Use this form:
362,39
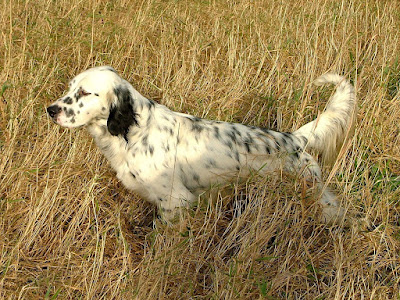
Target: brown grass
69,229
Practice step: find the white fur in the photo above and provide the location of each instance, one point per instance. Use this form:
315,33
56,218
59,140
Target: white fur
169,158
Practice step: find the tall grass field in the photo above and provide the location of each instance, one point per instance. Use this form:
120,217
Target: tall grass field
70,230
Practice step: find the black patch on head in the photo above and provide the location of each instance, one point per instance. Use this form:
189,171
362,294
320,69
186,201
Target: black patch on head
122,115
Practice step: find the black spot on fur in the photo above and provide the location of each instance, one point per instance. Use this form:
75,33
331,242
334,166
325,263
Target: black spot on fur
150,104
297,152
77,95
211,162
236,131
68,100
96,94
232,136
133,175
229,144
288,136
237,157
105,148
69,113
80,104
122,115
247,145
248,141
216,133
197,127
145,141
278,144
196,177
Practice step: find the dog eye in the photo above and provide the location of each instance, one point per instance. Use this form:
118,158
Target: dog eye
82,92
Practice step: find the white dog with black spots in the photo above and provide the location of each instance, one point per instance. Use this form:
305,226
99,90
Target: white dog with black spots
169,158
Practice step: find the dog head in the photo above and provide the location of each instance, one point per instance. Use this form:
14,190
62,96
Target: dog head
97,93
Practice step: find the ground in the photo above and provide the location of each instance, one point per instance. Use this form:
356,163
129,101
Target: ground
70,230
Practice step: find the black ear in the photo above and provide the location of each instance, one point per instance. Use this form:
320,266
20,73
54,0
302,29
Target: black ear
122,115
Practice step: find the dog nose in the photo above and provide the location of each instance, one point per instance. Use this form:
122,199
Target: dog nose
53,110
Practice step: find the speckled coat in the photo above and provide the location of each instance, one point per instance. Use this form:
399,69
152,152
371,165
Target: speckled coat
169,158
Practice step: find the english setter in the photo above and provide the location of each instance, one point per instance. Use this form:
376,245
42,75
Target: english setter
169,158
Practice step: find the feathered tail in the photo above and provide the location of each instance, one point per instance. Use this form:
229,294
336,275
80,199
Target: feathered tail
327,133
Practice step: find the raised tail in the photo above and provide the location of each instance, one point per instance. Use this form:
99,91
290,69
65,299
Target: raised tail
327,133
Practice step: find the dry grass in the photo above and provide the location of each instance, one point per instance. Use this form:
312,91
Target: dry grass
69,230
